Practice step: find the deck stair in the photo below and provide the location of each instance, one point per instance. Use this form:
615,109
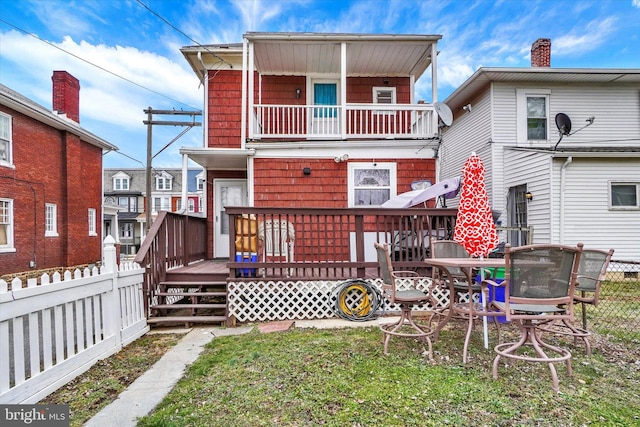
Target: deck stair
190,299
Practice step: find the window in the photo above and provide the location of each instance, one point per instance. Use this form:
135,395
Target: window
161,204
129,203
6,225
121,181
625,195
163,182
126,230
536,118
51,219
178,205
533,115
192,205
371,184
384,95
92,222
5,140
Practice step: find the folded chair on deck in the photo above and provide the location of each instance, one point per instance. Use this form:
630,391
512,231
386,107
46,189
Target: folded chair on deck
538,287
401,287
591,272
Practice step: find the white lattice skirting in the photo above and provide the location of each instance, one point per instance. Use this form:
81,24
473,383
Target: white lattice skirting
298,300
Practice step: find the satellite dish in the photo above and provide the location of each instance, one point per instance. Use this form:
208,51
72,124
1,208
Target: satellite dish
444,112
563,122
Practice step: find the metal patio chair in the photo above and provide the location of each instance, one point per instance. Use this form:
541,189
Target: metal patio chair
591,272
538,287
401,287
277,237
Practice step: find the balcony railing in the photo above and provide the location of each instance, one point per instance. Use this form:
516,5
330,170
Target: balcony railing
351,121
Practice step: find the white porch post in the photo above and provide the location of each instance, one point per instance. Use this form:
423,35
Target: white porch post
343,90
185,182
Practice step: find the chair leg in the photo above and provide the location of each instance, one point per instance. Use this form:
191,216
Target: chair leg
406,320
529,337
566,327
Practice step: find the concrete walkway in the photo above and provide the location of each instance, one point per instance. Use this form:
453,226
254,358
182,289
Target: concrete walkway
148,390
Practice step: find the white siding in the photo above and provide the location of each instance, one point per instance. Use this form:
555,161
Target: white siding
533,170
471,132
588,218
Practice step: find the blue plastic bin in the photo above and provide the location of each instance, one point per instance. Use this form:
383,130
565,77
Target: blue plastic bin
496,293
247,257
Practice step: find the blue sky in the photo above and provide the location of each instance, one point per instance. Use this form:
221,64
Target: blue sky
137,62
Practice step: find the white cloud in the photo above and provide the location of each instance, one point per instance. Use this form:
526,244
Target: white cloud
586,39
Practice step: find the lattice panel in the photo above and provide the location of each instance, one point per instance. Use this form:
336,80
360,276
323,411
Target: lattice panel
292,300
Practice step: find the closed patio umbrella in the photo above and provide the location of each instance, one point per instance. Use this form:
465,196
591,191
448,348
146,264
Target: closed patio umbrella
475,229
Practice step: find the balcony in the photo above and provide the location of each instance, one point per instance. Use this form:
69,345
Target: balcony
350,121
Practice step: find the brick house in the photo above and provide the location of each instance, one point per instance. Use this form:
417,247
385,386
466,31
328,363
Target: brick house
50,181
313,120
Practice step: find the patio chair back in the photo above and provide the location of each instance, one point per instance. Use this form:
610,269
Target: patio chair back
591,272
540,279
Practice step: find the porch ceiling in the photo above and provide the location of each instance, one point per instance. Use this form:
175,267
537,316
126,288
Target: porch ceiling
367,55
219,158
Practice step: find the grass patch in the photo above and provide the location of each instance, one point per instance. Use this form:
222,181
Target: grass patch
340,377
88,393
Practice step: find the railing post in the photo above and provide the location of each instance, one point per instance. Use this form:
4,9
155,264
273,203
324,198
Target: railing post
359,219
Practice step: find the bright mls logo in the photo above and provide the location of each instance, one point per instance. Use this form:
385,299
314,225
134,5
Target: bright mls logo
34,415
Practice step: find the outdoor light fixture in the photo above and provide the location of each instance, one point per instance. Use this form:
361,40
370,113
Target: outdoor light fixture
528,195
306,171
340,159
298,91
467,108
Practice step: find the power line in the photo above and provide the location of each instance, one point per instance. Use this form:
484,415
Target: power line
181,32
95,65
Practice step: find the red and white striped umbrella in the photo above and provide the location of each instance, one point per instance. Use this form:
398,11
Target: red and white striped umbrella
475,229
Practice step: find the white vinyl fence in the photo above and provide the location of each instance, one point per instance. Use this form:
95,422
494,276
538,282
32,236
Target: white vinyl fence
54,330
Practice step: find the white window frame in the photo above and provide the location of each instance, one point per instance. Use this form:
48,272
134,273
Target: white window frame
6,139
126,231
121,182
51,220
6,218
164,202
624,207
91,214
164,182
191,205
376,99
522,113
353,167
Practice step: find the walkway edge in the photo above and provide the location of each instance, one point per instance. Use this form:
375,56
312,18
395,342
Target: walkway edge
146,392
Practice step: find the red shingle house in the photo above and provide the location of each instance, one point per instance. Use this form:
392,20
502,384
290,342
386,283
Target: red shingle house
313,120
50,181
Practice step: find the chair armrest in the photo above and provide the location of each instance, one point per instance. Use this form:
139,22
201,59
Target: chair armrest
405,273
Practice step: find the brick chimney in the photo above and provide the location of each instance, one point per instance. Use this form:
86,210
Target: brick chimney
66,95
541,53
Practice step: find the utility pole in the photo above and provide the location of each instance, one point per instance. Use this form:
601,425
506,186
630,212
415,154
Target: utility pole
150,123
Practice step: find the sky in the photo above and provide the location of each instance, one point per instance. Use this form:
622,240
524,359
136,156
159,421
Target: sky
126,53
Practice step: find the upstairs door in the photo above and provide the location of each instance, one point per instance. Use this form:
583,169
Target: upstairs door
325,117
227,192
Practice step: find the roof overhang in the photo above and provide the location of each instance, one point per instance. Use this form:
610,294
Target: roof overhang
29,108
584,152
565,76
390,55
219,158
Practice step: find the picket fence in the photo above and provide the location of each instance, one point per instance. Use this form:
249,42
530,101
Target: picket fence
54,329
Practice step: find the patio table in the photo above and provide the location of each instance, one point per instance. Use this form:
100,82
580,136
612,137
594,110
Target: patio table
470,309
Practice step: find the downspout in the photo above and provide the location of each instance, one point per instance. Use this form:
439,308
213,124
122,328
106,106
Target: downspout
562,191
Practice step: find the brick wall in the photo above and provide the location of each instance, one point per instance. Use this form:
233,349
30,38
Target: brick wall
51,167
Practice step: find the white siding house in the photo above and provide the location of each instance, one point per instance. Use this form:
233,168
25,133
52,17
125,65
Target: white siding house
585,187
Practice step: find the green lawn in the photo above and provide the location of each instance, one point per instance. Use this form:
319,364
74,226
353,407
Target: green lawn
341,378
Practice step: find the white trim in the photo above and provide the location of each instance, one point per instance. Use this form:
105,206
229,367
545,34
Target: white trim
351,187
9,246
51,229
9,161
521,111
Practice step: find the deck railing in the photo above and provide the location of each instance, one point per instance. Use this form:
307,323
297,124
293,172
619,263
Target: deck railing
351,121
173,240
330,243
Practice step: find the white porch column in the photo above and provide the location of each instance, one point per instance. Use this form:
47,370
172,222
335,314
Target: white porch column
185,182
343,90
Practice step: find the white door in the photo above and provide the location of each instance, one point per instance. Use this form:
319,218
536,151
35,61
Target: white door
227,192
